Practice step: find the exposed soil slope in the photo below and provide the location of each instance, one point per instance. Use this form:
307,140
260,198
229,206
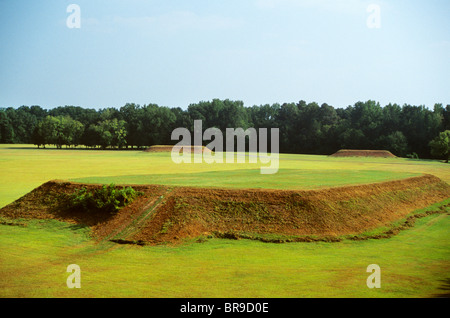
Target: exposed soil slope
363,153
47,202
170,214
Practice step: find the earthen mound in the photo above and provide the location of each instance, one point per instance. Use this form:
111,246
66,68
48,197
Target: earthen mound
363,153
180,149
172,214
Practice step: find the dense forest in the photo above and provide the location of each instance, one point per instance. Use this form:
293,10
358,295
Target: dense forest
306,128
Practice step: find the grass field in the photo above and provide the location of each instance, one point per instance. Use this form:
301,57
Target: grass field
34,258
25,167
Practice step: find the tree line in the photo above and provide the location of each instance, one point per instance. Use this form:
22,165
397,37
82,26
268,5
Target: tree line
307,128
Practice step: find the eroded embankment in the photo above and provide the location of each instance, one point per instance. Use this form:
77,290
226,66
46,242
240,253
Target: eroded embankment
170,214
363,153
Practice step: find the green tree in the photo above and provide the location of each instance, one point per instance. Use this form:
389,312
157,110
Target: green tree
119,133
440,146
156,125
6,129
86,116
366,117
131,115
38,136
420,125
287,121
395,142
61,130
45,132
72,130
352,139
107,133
67,131
104,135
91,137
446,117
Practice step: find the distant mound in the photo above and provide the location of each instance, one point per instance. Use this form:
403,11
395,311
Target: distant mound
172,214
363,153
167,148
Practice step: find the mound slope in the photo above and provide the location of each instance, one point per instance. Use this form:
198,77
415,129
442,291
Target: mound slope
162,148
170,214
363,153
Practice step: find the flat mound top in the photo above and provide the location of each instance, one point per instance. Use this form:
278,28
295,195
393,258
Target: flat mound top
169,148
363,153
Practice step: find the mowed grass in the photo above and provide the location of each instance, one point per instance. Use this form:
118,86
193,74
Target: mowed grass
33,259
283,179
24,167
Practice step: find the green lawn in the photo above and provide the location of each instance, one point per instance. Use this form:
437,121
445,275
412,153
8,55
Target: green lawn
284,179
24,167
34,258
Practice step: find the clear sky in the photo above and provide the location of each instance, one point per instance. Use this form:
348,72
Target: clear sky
177,52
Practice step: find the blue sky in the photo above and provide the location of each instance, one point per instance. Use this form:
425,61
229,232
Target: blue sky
174,53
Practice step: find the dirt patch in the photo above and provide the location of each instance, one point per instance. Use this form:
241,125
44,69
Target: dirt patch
363,153
179,149
172,214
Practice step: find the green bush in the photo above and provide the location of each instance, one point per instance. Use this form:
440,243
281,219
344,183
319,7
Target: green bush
412,156
107,198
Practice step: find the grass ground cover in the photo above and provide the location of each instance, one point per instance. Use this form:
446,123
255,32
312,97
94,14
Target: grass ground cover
284,179
24,167
34,258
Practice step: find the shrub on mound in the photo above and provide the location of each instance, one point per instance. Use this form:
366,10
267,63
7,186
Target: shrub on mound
106,199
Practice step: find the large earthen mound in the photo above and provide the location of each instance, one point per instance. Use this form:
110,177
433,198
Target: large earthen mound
172,214
180,149
363,153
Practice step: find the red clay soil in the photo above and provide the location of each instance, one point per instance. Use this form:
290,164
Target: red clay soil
172,214
48,202
363,153
194,149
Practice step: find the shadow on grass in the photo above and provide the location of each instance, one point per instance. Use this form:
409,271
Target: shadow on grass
426,160
445,287
77,148
76,227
